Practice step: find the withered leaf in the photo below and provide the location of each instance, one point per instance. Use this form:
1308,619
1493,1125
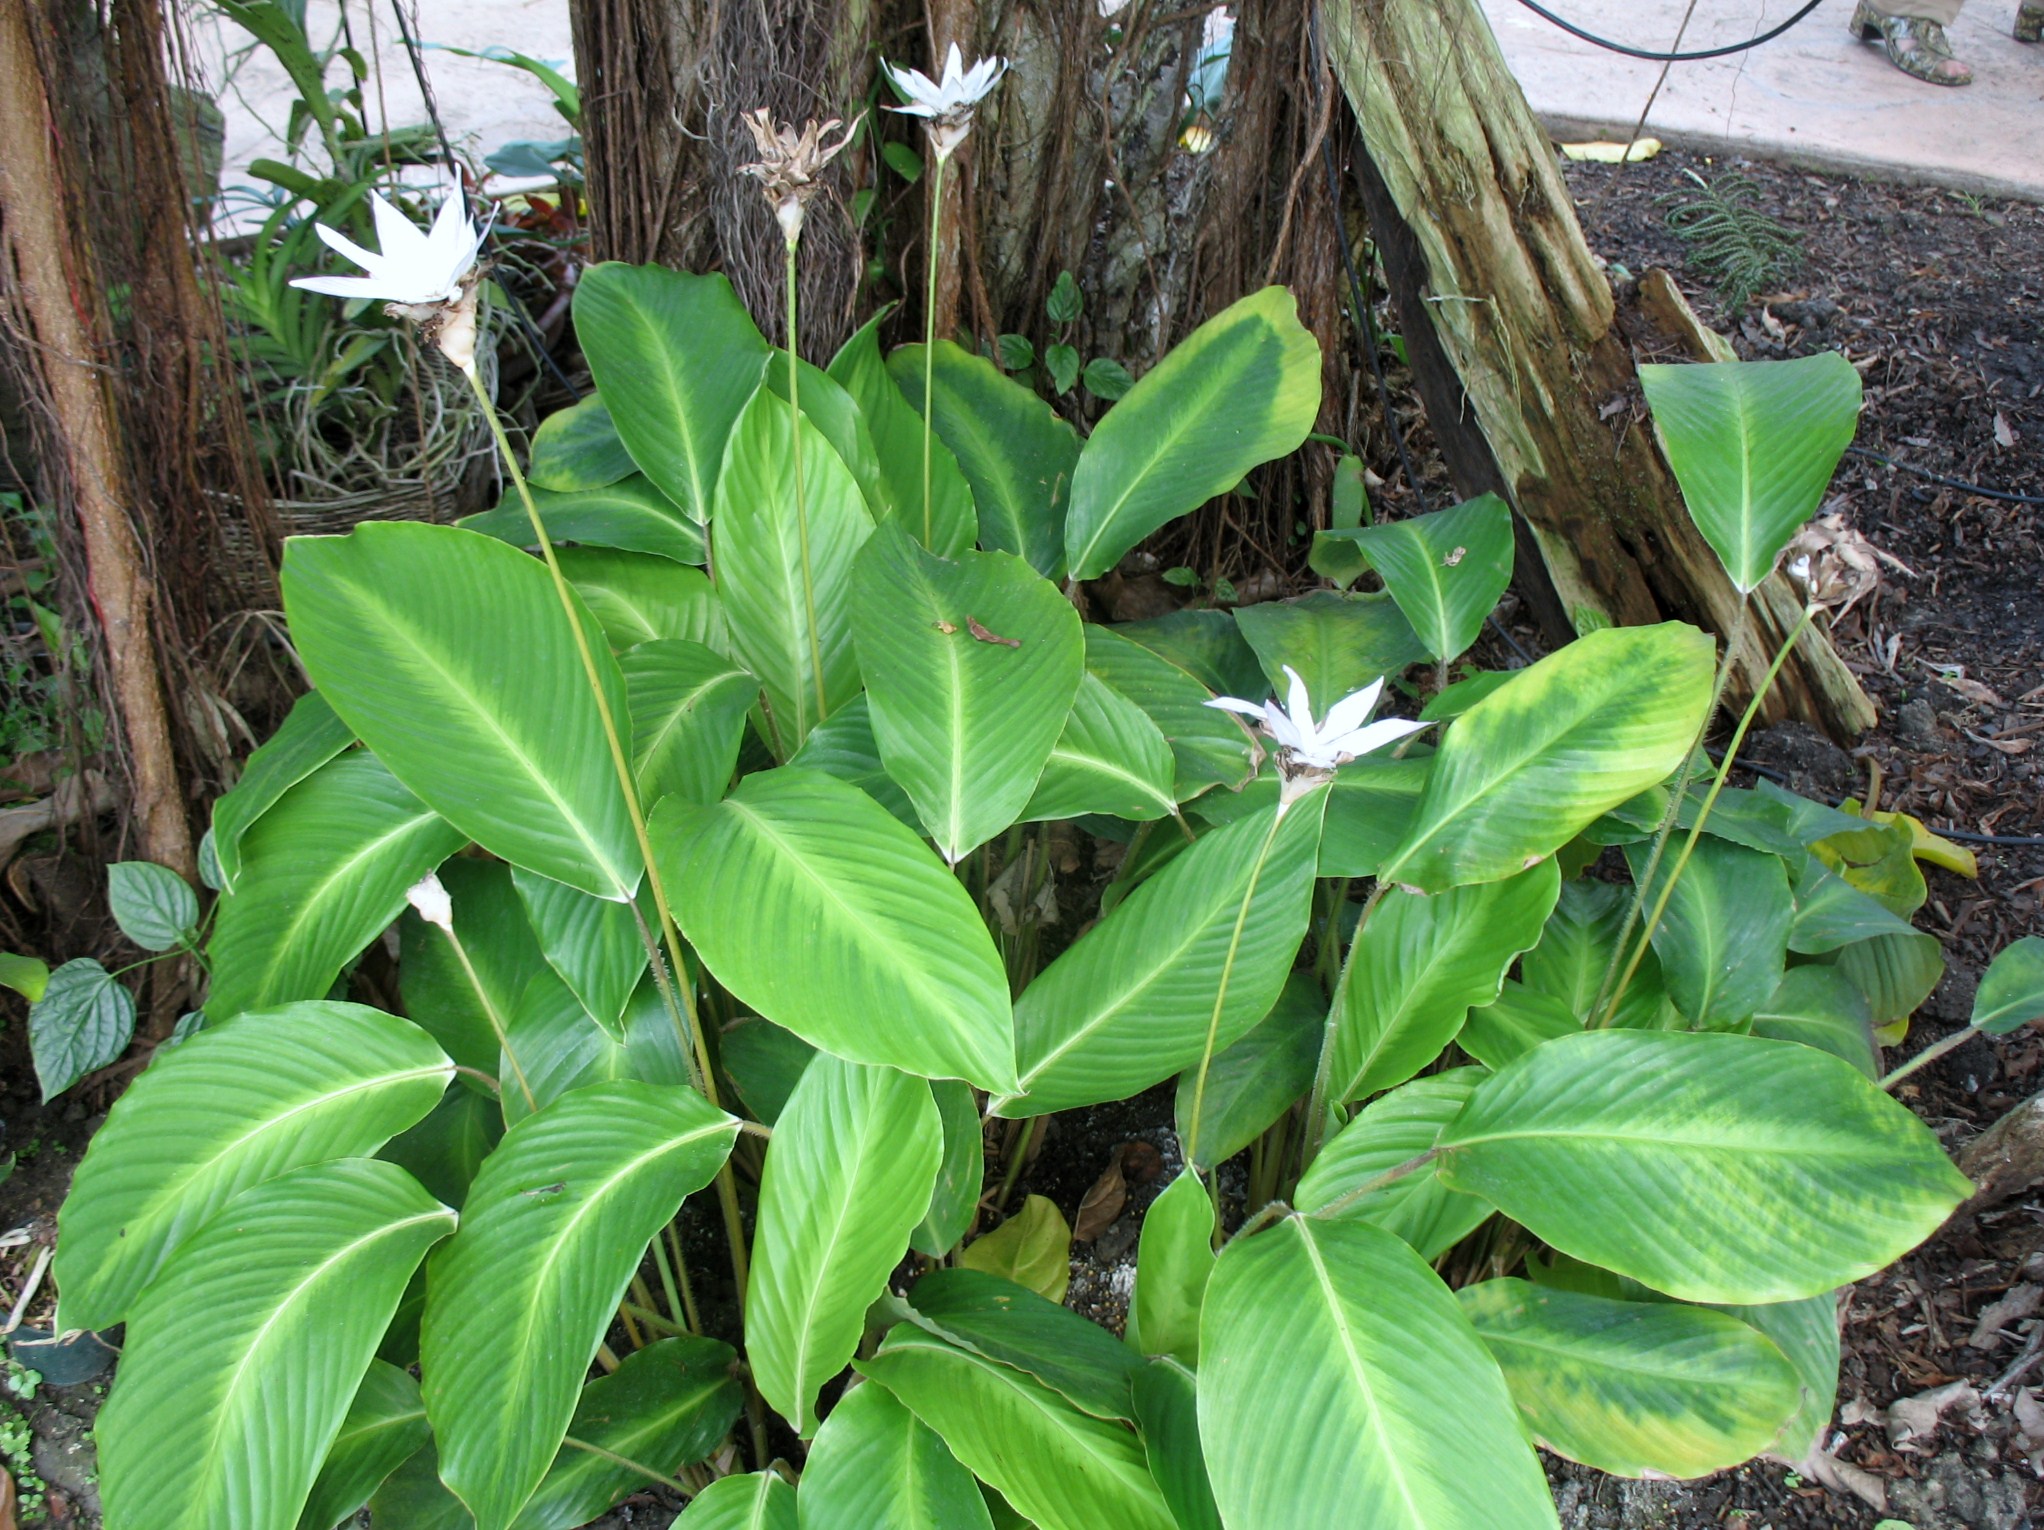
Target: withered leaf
973,626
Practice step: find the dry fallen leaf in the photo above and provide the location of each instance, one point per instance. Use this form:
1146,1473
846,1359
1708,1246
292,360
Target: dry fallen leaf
1972,690
6,1501
1910,1418
1103,1202
973,626
2004,433
2020,1302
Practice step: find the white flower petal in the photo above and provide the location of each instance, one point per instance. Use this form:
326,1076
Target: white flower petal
1354,709
1368,740
954,70
1237,704
1282,728
340,286
342,245
397,237
1298,705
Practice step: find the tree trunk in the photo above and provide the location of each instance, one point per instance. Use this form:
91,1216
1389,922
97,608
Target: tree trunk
1523,364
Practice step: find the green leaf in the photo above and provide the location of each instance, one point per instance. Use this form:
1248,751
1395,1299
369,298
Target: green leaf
518,1301
1173,1263
1637,1389
1107,380
1880,860
1063,303
971,666
1387,1134
552,1045
666,1406
893,965
1464,694
1831,912
1895,972
1030,1249
1806,1332
234,1106
1255,1080
1208,645
83,1021
1337,643
414,1496
26,975
1421,964
1518,1022
675,358
154,906
310,736
323,873
449,655
577,448
1239,391
752,1501
961,1173
1317,1332
998,1319
785,573
1064,1469
1819,1007
1208,746
1016,453
948,527
876,1463
1186,964
688,717
1750,1170
592,943
1109,759
1369,808
1576,952
384,1428
630,515
765,1063
444,1151
844,747
1167,1409
1523,771
2011,992
848,1175
1446,570
1061,361
1723,937
1013,352
638,598
1753,445
296,1280
465,1006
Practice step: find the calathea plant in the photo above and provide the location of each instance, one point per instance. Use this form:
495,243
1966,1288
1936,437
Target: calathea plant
712,840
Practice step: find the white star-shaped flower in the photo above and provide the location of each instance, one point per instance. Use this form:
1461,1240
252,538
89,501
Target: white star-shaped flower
1346,733
415,268
948,101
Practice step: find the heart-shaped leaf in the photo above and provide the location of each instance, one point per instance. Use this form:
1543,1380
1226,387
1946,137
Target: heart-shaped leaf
1446,570
154,906
84,1020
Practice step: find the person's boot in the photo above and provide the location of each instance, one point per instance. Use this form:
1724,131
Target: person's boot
1915,44
2030,21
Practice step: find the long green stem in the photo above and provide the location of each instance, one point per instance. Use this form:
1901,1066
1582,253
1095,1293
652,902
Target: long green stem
930,338
1717,785
1930,1054
1676,798
801,500
630,1465
1316,1104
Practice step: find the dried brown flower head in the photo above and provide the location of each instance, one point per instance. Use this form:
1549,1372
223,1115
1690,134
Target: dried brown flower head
791,164
1836,566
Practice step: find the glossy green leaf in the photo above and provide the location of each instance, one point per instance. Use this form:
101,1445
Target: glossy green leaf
665,1407
1750,1170
466,1006
1523,771
83,1021
1895,972
1819,1007
1337,643
637,597
1754,445
961,1173
323,873
1208,746
415,1497
1831,912
630,515
752,1501
154,906
848,1175
1167,1412
592,943
1185,965
1000,1320
827,406
1388,1134
765,1062
450,656
2011,991
444,1151
1806,1332
238,1104
1030,1249
1110,759
893,965
1173,1263
1064,1469
1206,644
675,357
947,525
971,666
1880,860
875,1463
1253,1081
226,1422
1017,455
688,718
1637,1389
844,747
309,736
553,1045
1319,1332
1369,810
27,975
1239,391
384,1428
578,448
517,1302
1723,938
1518,1022
1576,951
1420,965
784,573
1446,569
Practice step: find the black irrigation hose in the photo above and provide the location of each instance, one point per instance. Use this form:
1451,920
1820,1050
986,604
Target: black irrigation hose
2008,496
1653,57
2015,841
